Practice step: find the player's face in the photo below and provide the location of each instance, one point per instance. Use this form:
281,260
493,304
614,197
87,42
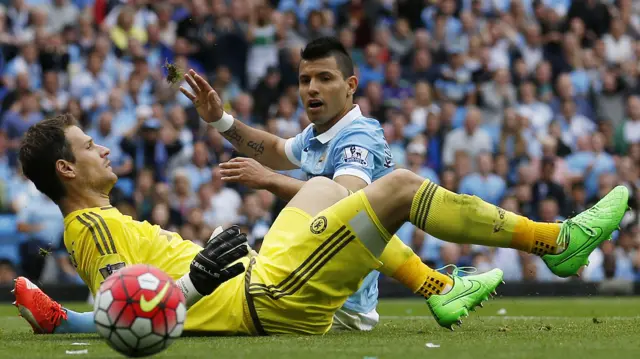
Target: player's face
325,93
92,168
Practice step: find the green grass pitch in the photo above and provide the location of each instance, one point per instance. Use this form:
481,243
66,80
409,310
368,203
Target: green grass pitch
531,328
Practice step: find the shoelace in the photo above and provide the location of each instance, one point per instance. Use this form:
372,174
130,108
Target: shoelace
456,269
52,310
565,232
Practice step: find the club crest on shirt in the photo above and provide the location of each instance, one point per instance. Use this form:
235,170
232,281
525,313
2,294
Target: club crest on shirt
318,225
109,269
356,154
320,163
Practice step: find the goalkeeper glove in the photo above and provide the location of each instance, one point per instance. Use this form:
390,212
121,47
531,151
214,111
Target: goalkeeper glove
210,268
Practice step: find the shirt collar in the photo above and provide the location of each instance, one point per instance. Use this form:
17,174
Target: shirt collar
344,122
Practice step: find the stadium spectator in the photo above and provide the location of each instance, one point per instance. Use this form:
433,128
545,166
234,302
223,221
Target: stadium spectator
546,187
609,103
7,271
497,95
43,225
484,183
590,161
183,198
19,118
471,138
416,159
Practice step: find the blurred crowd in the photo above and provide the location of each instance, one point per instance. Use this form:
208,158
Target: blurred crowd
533,105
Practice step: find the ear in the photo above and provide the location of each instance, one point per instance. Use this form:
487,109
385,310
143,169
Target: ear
65,169
352,85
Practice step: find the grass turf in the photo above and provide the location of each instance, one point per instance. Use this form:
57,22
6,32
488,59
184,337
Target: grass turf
583,328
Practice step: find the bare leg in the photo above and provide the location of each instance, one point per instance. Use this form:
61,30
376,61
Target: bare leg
318,194
391,197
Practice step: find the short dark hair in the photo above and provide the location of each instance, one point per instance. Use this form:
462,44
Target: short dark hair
42,146
577,186
327,46
5,262
548,161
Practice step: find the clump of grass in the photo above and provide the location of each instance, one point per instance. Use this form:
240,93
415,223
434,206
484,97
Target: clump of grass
174,73
44,252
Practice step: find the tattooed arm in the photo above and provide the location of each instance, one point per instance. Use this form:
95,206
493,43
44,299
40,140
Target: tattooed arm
262,146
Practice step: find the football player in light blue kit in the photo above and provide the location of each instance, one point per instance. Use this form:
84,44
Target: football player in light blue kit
354,146
350,149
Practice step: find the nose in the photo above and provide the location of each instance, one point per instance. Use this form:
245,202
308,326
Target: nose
104,151
313,88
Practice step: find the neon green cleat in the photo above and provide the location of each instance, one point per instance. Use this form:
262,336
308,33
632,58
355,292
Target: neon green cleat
466,294
582,234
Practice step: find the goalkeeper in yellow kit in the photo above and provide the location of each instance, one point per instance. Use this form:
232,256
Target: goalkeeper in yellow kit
315,255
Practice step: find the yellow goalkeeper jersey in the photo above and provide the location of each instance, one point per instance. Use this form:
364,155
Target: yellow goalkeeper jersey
102,240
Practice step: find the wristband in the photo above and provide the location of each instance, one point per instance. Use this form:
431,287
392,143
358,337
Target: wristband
189,290
224,123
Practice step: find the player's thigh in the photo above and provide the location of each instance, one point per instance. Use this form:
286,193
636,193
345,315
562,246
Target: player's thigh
297,233
309,265
317,194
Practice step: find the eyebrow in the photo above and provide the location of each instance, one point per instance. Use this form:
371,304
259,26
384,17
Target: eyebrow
321,73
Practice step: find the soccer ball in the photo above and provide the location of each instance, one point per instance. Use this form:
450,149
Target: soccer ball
139,310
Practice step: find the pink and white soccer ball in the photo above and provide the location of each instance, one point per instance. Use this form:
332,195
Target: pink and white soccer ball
139,310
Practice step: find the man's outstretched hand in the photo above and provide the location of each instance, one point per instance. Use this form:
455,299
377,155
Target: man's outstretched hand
246,171
204,97
210,268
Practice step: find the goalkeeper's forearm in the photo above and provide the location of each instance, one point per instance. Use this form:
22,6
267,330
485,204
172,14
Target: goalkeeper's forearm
260,145
190,292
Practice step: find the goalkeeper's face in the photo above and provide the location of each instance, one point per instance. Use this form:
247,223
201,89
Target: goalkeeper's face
92,168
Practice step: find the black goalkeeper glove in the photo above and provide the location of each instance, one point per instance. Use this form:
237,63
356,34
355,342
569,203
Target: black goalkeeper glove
208,268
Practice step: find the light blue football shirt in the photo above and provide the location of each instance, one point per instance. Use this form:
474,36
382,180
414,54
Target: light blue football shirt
354,146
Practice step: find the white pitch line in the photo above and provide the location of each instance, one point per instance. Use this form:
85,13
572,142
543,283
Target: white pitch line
513,317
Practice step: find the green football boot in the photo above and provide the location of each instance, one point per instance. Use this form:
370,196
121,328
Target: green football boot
583,233
467,293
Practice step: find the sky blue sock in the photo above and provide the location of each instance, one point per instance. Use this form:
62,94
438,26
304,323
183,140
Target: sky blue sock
76,323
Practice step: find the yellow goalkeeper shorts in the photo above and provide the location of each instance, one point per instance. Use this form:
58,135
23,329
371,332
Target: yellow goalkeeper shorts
308,266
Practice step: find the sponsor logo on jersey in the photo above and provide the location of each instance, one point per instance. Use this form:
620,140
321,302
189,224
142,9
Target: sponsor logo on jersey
109,269
388,156
356,154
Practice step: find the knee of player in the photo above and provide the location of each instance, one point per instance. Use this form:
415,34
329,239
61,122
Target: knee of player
403,179
320,181
406,175
326,185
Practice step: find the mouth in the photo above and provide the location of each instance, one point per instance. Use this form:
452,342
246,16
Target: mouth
314,104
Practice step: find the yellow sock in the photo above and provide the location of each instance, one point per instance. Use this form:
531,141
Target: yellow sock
534,237
468,219
401,263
